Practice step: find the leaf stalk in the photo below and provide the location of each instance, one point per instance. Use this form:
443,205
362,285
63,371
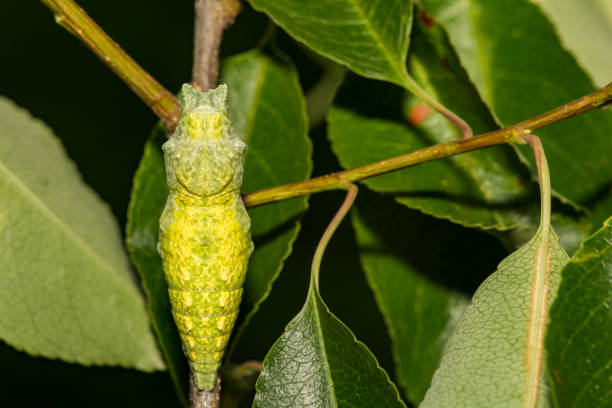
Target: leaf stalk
329,232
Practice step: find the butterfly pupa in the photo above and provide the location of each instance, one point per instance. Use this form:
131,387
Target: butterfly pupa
204,239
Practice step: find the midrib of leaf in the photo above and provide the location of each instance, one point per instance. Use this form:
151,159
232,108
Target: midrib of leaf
313,294
538,310
537,319
401,70
56,220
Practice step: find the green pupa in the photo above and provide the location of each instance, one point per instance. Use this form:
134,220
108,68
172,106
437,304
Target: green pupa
204,239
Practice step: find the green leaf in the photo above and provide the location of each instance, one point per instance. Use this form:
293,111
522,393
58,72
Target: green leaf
421,304
149,193
268,111
586,31
66,288
487,188
370,37
318,362
493,359
473,189
580,330
492,188
513,56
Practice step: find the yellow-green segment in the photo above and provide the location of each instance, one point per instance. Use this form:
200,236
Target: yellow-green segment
204,240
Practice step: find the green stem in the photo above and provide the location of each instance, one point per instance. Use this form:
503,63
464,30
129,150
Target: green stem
70,16
544,180
320,97
413,87
510,134
329,232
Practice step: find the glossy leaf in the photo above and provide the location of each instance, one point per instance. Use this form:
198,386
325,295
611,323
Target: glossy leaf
149,193
406,265
318,362
490,360
66,288
513,56
370,37
580,330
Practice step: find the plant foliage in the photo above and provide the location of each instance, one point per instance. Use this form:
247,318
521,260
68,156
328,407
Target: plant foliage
437,270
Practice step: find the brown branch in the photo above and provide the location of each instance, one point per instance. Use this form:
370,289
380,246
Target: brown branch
211,18
69,15
202,398
510,134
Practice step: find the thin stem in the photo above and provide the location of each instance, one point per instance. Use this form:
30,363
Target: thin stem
543,179
211,18
70,16
329,232
510,134
413,87
319,98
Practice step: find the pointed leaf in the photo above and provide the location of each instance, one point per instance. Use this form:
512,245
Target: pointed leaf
580,330
493,360
149,194
370,37
513,56
318,362
66,288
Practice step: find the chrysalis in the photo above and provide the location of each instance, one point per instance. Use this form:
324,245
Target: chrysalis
204,238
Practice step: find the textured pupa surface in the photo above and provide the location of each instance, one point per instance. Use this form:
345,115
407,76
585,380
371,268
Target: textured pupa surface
204,240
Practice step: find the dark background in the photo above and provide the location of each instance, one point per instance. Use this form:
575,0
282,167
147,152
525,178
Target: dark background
103,127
